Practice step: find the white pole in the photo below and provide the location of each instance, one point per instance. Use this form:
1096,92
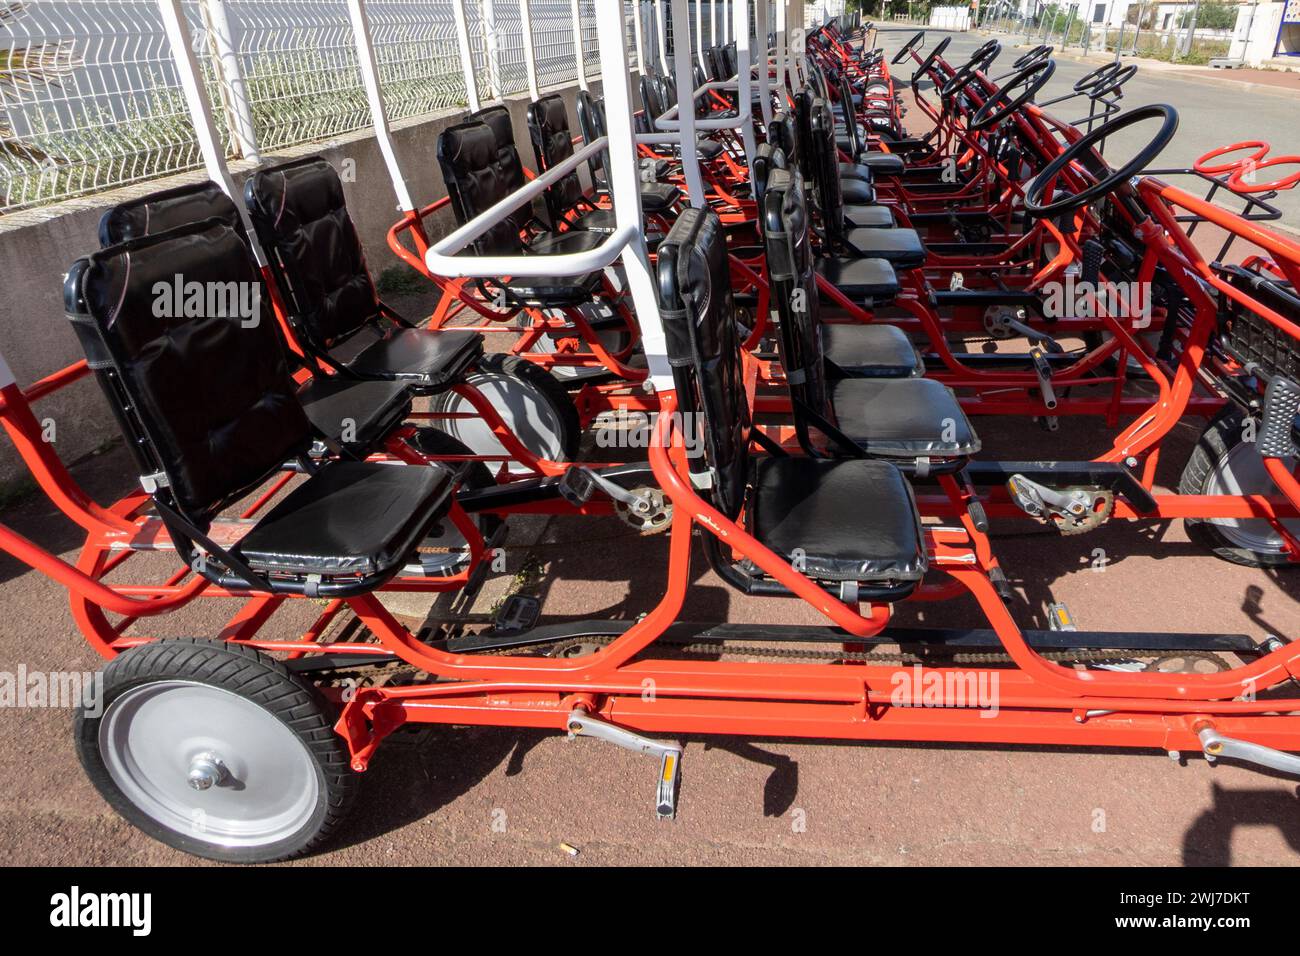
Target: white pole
744,96
661,30
764,81
581,60
686,102
493,45
780,50
638,28
241,114
625,189
375,96
699,36
466,59
200,109
530,62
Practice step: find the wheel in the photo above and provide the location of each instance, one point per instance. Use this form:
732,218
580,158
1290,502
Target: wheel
529,400
217,750
1224,463
444,553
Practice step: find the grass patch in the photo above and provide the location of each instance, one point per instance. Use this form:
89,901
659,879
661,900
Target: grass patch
403,280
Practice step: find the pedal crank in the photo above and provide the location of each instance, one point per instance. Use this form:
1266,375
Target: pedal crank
1073,510
582,724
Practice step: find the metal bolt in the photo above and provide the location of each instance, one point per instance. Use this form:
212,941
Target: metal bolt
206,771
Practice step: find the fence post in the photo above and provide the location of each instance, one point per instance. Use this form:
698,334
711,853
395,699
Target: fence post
1191,32
1137,28
491,42
1069,22
230,79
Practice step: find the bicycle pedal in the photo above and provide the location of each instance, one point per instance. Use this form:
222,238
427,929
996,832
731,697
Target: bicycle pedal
1059,617
577,485
519,612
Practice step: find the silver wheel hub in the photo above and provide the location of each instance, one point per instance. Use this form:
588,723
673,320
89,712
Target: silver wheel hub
209,763
1241,471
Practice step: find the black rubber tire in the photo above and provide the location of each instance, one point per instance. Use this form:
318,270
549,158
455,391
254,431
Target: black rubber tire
435,442
258,678
1222,433
544,384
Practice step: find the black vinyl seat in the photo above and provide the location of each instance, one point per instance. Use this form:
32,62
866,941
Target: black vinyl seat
874,350
352,414
902,248
854,509
316,257
481,167
916,422
870,217
871,280
351,518
548,127
798,507
204,438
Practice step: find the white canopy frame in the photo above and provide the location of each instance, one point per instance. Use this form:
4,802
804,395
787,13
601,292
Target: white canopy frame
200,109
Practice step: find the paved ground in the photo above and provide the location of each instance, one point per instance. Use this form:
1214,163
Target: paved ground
476,796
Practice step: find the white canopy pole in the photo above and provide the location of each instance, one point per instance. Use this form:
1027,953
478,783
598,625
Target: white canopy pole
530,61
744,96
466,60
375,97
200,110
575,15
780,50
661,31
625,188
638,28
686,101
764,80
699,38
493,44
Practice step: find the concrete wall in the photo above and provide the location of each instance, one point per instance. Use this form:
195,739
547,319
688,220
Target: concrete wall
37,246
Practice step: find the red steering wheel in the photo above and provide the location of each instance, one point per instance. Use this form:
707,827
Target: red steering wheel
1238,184
1202,165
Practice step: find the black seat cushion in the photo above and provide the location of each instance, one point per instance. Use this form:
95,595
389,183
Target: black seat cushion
901,248
659,197
708,148
903,418
848,520
873,350
355,414
856,192
427,360
350,518
860,278
557,291
855,171
548,127
869,217
882,164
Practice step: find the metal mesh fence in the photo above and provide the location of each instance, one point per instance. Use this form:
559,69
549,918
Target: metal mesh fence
90,99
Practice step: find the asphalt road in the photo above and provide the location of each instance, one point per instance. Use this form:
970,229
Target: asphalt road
462,796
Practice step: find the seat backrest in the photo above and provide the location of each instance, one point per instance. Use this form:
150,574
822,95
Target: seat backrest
803,101
183,342
699,317
315,253
497,119
793,275
478,178
591,120
766,158
850,116
652,98
168,209
781,134
713,60
825,167
548,127
730,65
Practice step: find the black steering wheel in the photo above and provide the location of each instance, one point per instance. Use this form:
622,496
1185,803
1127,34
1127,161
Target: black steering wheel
1097,76
1040,52
928,62
979,60
1081,150
1113,82
1013,94
907,48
